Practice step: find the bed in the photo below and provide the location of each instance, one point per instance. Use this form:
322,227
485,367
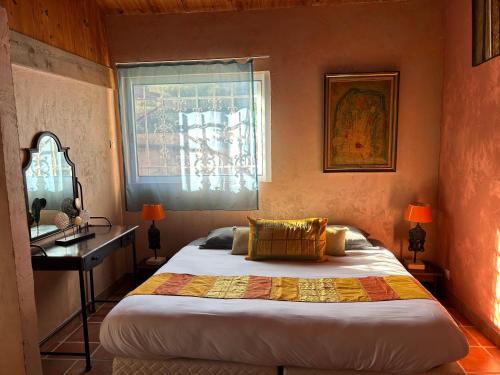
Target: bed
262,336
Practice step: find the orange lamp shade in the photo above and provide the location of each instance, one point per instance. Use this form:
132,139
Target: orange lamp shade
418,213
152,212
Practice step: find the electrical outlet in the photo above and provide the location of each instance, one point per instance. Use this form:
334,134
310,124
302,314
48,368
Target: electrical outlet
447,274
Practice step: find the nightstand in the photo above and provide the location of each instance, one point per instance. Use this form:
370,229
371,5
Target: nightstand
145,271
430,277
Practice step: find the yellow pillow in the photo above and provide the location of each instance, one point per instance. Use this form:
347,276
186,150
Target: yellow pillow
335,240
287,239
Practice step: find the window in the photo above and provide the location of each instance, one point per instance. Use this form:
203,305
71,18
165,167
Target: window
154,139
189,134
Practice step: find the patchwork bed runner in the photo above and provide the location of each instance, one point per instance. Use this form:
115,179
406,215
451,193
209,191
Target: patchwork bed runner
362,289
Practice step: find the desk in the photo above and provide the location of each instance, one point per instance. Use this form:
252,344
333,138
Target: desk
83,257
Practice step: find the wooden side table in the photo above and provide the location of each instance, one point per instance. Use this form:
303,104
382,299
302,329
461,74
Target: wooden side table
430,277
145,271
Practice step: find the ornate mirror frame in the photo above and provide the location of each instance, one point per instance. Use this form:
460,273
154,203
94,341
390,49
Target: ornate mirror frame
35,148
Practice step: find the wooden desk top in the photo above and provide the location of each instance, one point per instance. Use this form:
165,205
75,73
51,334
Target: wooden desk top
103,236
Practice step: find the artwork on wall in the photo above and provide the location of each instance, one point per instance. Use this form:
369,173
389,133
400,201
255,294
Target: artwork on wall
485,30
361,114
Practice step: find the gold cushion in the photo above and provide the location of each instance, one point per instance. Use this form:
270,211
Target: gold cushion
287,239
335,240
240,241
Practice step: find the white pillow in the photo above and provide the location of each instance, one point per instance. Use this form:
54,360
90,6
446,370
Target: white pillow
335,240
240,241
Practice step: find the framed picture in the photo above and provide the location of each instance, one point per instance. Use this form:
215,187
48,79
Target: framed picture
485,30
361,117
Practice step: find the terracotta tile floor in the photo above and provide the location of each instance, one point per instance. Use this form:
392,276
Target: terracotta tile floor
70,339
483,358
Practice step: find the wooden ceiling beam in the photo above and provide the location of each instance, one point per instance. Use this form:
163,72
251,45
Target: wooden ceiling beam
192,6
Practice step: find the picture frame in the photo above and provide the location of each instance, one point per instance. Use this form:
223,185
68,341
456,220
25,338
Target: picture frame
361,120
485,30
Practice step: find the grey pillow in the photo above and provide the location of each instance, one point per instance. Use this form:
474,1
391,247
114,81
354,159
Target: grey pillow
355,238
220,238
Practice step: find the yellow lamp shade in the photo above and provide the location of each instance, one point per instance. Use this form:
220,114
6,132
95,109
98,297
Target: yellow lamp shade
418,213
152,212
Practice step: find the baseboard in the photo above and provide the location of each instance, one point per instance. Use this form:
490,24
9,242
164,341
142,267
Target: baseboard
489,330
106,293
59,327
103,295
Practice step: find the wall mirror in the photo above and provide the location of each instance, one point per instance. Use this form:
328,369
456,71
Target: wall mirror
49,183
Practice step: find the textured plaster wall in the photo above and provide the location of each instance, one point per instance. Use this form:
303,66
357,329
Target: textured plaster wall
303,45
18,341
469,179
82,116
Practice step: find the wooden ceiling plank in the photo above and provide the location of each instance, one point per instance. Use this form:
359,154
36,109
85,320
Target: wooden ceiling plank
190,6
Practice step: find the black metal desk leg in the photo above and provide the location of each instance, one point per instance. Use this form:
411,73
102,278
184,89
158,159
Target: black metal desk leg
92,297
83,299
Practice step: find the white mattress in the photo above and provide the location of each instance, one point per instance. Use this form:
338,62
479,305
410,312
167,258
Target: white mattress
447,369
407,336
184,366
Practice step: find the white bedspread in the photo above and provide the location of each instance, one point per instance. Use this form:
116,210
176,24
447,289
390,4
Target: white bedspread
404,337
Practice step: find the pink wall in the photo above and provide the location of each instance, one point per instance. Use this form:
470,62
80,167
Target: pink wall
51,102
469,174
303,45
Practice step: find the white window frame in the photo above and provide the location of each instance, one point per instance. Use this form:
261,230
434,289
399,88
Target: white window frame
265,101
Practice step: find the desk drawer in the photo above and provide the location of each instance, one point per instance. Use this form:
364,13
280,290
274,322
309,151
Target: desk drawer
97,257
92,261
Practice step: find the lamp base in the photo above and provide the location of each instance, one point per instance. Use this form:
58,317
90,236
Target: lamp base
411,265
155,261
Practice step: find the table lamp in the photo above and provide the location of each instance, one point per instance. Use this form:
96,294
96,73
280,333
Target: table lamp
153,212
417,213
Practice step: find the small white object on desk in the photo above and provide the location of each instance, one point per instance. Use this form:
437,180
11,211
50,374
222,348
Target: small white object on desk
84,214
155,261
61,221
78,203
